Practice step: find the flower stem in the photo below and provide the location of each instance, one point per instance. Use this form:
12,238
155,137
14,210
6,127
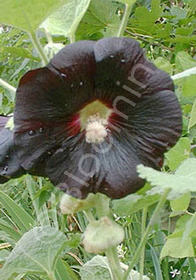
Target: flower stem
103,209
114,263
51,276
7,86
125,19
38,47
184,74
146,233
72,38
142,258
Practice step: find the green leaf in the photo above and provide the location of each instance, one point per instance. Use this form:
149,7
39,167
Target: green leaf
128,2
144,20
63,271
44,197
178,153
156,263
3,255
66,19
183,181
181,203
37,252
10,231
184,61
132,203
192,121
180,244
17,52
26,15
97,268
178,13
189,86
163,64
101,19
20,217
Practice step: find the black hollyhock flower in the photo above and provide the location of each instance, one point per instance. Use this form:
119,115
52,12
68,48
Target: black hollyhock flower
9,163
95,112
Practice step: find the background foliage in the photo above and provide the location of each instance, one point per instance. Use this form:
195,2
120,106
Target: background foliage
36,241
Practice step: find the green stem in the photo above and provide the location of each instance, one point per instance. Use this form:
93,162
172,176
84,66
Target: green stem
142,258
165,268
48,36
125,19
38,47
7,86
102,205
54,211
51,276
72,38
186,73
147,231
114,263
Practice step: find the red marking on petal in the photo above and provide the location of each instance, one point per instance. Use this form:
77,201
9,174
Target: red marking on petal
73,126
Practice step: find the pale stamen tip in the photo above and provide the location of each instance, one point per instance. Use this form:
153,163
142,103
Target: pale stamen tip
96,129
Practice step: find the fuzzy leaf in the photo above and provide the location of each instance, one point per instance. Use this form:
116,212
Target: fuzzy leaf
132,203
36,251
183,181
98,269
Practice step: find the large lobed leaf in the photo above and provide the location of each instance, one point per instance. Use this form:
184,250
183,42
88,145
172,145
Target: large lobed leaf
133,203
101,19
26,14
183,181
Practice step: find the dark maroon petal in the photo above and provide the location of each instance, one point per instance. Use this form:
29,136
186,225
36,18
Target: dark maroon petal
153,126
46,98
77,58
109,168
122,69
9,163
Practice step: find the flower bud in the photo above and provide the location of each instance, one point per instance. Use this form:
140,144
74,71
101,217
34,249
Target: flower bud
101,235
71,205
